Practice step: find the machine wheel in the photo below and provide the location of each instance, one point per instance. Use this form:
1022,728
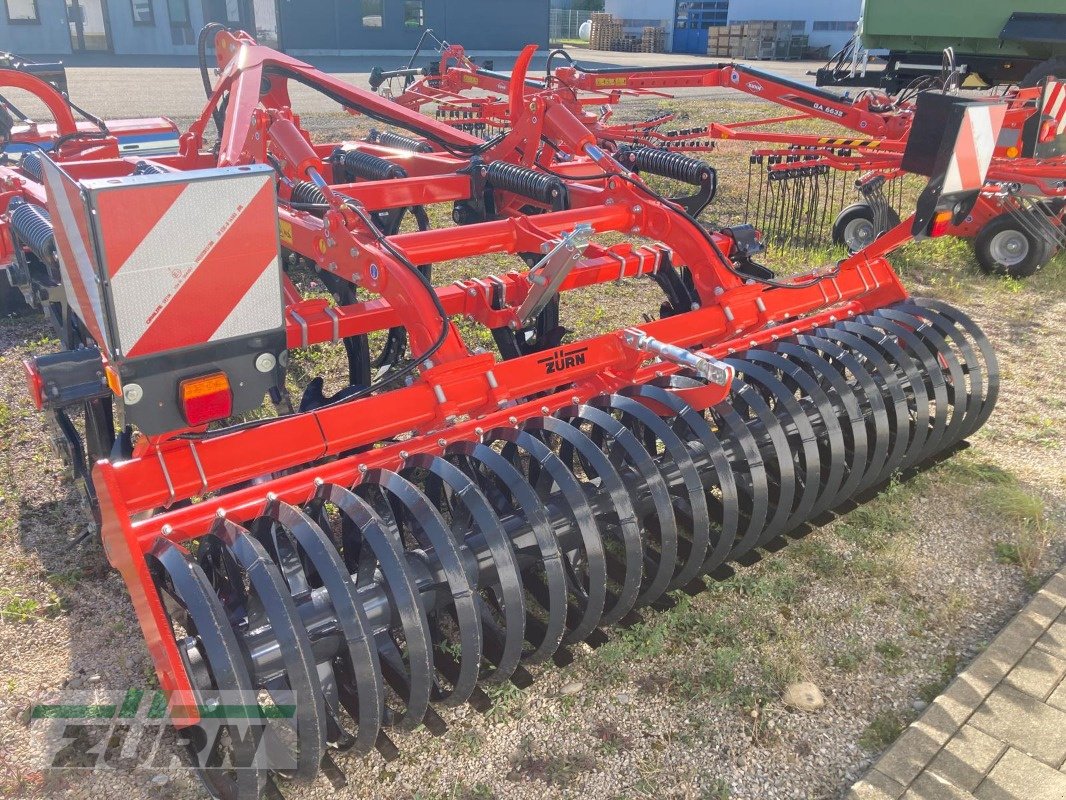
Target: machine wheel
1004,247
1053,67
854,226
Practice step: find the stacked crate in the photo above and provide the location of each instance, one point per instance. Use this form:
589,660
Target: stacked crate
652,40
606,33
756,40
723,41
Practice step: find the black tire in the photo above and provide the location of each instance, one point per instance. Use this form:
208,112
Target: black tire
1004,247
1053,67
847,225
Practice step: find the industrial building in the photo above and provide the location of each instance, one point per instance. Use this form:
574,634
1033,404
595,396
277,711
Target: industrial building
827,23
300,27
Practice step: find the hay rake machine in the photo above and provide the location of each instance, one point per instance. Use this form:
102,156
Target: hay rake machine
393,548
803,189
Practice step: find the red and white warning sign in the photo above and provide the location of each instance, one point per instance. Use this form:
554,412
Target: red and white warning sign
1053,105
183,259
974,147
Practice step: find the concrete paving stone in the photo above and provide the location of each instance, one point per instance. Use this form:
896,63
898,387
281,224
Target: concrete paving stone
946,715
1054,638
1058,697
1009,646
1056,586
1037,674
966,693
932,787
875,785
1016,776
1046,607
967,758
910,754
1024,723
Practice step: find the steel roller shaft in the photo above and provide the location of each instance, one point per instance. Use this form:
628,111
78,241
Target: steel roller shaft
459,568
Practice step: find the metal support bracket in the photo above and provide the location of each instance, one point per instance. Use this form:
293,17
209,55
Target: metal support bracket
548,274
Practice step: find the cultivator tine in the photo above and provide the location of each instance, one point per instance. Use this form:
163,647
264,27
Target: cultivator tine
1034,217
793,198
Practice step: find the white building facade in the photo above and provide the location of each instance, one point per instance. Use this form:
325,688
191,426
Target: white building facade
828,23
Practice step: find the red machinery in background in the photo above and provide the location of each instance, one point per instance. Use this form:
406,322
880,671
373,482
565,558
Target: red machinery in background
437,527
1016,228
70,133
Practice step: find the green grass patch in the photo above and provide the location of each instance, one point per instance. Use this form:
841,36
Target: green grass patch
884,729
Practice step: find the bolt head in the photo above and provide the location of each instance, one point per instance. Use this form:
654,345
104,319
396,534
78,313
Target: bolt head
132,394
265,362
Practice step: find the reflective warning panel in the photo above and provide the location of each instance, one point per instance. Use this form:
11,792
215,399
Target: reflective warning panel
1045,133
165,262
77,255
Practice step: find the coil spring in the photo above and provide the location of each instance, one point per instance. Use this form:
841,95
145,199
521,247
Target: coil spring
31,165
528,183
33,225
306,193
399,141
667,164
147,168
367,166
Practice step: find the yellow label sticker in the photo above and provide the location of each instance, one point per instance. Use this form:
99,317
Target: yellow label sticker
285,229
470,79
610,81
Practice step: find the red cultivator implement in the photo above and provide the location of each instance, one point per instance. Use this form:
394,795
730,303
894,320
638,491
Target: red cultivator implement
799,184
463,513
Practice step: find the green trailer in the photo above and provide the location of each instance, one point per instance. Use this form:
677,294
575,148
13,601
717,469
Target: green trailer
993,43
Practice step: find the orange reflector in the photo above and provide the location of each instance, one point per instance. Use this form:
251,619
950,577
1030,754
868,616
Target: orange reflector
1013,152
205,399
34,382
114,382
941,223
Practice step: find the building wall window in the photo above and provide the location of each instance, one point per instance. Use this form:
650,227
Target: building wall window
371,13
698,14
180,22
142,12
414,13
834,25
23,12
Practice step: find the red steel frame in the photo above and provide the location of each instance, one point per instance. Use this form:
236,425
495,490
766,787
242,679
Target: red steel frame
16,183
457,394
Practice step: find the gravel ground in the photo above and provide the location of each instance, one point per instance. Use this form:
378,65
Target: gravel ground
878,608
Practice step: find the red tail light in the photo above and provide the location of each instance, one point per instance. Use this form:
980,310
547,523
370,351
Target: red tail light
940,224
34,382
205,399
